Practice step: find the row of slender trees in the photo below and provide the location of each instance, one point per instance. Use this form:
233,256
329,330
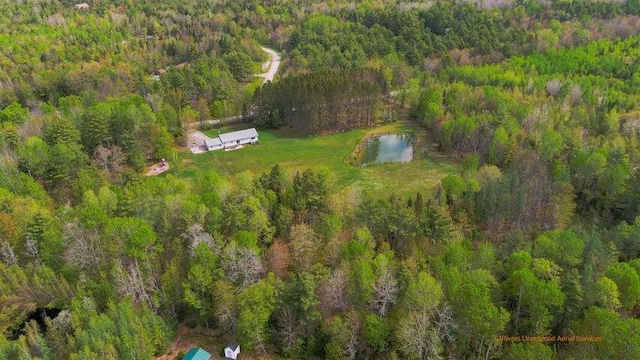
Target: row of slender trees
321,102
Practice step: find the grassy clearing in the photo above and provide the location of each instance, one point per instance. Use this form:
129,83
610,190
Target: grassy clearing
327,152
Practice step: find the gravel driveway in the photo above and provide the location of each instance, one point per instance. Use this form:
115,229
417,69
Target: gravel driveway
196,142
273,65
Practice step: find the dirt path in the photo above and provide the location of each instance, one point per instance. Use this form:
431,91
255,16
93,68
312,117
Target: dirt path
176,345
273,65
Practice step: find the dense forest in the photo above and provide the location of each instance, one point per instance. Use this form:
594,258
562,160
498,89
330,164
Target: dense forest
321,102
532,251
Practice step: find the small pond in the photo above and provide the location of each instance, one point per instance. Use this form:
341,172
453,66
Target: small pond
386,148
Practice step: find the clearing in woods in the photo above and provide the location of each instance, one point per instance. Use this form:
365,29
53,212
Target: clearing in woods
328,152
212,341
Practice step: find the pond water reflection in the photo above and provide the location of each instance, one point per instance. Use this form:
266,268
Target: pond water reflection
387,148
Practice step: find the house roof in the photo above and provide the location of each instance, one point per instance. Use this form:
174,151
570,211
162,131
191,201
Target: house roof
213,142
233,345
197,354
239,135
82,6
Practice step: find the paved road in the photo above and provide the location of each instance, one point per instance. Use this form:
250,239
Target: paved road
273,66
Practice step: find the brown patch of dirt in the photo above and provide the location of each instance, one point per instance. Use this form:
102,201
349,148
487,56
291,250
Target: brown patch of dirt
212,341
157,168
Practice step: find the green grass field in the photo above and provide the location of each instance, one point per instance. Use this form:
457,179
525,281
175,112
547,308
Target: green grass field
327,152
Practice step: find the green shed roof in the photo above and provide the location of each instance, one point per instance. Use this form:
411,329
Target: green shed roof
197,354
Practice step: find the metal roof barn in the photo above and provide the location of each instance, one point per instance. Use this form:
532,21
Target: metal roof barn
213,142
239,135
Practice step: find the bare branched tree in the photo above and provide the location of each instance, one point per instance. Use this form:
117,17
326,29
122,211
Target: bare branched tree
31,250
445,323
130,282
112,161
62,322
631,127
242,265
7,255
385,292
418,337
57,20
288,329
575,94
352,344
334,296
196,234
82,246
553,87
539,115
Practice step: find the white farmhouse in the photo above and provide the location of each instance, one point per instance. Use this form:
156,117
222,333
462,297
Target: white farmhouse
233,139
213,144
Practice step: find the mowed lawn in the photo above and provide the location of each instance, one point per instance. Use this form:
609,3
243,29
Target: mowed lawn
328,152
